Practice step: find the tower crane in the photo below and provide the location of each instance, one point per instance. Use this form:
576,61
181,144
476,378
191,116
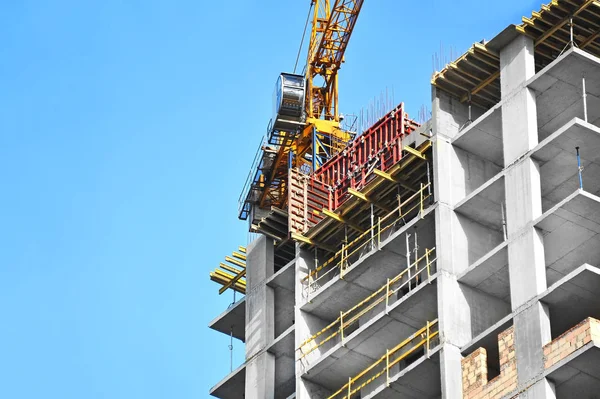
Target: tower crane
305,130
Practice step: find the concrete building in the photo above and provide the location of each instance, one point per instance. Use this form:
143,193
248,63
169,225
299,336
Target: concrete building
468,269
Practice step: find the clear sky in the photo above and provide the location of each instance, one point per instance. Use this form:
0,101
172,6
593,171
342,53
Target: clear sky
127,129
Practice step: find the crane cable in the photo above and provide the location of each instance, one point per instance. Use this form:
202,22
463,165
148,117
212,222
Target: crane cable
303,35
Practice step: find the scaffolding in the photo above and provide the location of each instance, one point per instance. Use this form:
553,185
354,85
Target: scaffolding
370,239
420,339
416,273
232,273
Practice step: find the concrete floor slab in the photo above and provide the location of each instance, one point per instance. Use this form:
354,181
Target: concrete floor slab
284,344
233,319
232,386
559,91
483,137
370,272
285,378
578,375
573,298
571,234
374,336
421,379
283,350
557,158
490,273
484,205
284,278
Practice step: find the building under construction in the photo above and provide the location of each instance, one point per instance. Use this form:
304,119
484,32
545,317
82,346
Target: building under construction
450,259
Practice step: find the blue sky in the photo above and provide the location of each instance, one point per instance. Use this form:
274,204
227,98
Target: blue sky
126,132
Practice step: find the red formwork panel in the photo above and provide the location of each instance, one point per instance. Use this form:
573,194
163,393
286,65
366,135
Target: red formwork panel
378,147
327,188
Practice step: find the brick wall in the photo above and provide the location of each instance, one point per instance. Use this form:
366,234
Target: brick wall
474,369
575,338
474,366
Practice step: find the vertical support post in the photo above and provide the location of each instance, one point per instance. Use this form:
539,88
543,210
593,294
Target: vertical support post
231,350
579,169
372,227
427,263
399,206
429,184
387,367
387,295
427,339
585,113
470,111
503,220
421,201
379,233
342,261
408,260
342,326
571,38
349,387
416,257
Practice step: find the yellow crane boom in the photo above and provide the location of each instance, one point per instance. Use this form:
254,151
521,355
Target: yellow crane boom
305,130
331,30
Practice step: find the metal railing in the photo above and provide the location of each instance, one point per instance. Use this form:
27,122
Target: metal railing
383,294
253,175
420,339
342,259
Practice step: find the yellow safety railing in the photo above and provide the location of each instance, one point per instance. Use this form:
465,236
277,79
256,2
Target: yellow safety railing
420,339
352,315
372,236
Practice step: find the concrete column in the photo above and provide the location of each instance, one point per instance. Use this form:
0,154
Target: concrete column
260,365
260,376
448,116
523,204
517,64
305,325
523,194
532,332
519,121
526,265
451,372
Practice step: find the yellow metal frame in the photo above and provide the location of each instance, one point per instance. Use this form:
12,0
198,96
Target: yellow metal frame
352,315
332,24
236,265
548,28
414,202
332,27
425,334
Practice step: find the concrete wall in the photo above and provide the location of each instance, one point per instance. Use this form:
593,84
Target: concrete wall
284,310
484,310
472,240
469,172
523,204
306,326
449,115
260,365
